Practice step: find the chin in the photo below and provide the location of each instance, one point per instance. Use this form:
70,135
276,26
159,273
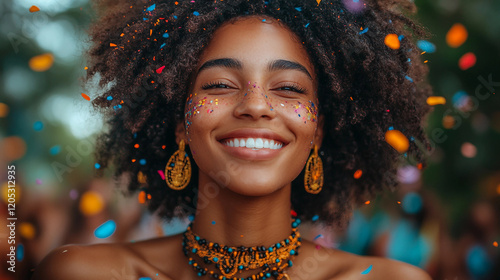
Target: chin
251,186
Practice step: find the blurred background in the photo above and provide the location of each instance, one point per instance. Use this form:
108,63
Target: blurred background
444,219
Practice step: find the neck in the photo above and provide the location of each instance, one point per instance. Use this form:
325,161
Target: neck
232,219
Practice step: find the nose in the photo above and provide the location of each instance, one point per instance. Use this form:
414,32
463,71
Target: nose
254,104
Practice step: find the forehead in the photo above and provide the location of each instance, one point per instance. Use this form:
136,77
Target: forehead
256,42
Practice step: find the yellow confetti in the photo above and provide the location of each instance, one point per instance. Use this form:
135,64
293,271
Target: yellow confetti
34,9
91,203
397,140
358,174
435,100
85,68
456,36
392,41
141,178
27,230
318,1
41,62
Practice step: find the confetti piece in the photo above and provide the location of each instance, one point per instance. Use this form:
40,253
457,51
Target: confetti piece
306,25
141,197
392,41
196,13
34,9
399,202
213,222
426,46
162,175
41,62
358,174
109,98
20,252
37,126
142,161
367,202
166,35
73,194
55,150
145,278
317,247
27,230
97,166
318,236
397,140
366,271
4,110
315,218
294,214
363,31
112,45
105,230
456,36
467,61
86,97
38,181
151,8
495,243
409,78
159,70
412,203
435,100
468,150
298,9
91,203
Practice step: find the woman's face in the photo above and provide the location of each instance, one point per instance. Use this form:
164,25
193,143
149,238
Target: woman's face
251,117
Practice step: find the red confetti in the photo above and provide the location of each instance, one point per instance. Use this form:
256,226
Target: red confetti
467,61
86,97
294,214
160,69
161,174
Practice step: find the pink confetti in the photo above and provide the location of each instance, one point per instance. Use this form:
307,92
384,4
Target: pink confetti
161,174
38,181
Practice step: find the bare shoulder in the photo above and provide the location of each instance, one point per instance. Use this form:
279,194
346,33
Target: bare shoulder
373,268
96,261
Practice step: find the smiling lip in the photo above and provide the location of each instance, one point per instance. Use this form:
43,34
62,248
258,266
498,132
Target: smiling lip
248,153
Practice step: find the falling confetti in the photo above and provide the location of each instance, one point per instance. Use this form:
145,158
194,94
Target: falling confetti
86,97
4,110
142,197
20,252
151,8
367,202
468,150
366,271
141,178
495,243
358,174
27,230
315,218
318,1
456,36
38,181
435,100
318,236
41,62
55,150
97,166
467,61
34,9
397,140
91,203
37,126
426,46
162,175
160,69
392,41
105,230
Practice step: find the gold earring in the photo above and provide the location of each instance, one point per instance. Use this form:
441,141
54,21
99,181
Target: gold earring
313,177
178,169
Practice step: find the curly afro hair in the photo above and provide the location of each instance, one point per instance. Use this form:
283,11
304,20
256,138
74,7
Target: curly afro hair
143,53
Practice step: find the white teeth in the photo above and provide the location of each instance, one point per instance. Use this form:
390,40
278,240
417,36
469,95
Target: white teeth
259,143
254,143
250,143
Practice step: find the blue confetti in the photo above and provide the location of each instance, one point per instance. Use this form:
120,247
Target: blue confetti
363,31
412,203
20,252
162,45
318,236
191,218
213,222
105,230
142,161
298,9
306,25
411,138
408,78
400,37
367,270
390,21
263,20
151,8
109,97
135,135
97,166
145,278
196,13
166,35
55,150
355,1
391,127
315,218
175,17
38,126
426,46
144,18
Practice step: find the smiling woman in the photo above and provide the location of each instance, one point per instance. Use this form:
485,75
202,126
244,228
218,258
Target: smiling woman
283,102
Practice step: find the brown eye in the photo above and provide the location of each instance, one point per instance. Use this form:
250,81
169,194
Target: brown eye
293,88
214,85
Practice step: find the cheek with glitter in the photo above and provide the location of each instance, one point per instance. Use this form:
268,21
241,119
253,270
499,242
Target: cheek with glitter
195,106
306,111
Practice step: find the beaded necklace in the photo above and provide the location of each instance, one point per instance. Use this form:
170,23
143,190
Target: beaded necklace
231,260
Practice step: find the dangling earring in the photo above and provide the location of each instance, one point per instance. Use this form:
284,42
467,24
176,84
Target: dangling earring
178,169
313,178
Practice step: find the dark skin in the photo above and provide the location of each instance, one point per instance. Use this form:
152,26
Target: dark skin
251,205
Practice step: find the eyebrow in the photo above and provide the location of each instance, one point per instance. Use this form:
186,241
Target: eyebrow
274,65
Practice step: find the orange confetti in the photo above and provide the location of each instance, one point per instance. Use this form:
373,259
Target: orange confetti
435,100
85,68
397,140
392,41
419,165
86,97
142,197
91,203
133,160
4,110
358,174
163,147
399,202
456,36
318,1
112,45
136,146
27,230
121,35
149,196
141,178
367,202
41,62
34,9
467,61
495,243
